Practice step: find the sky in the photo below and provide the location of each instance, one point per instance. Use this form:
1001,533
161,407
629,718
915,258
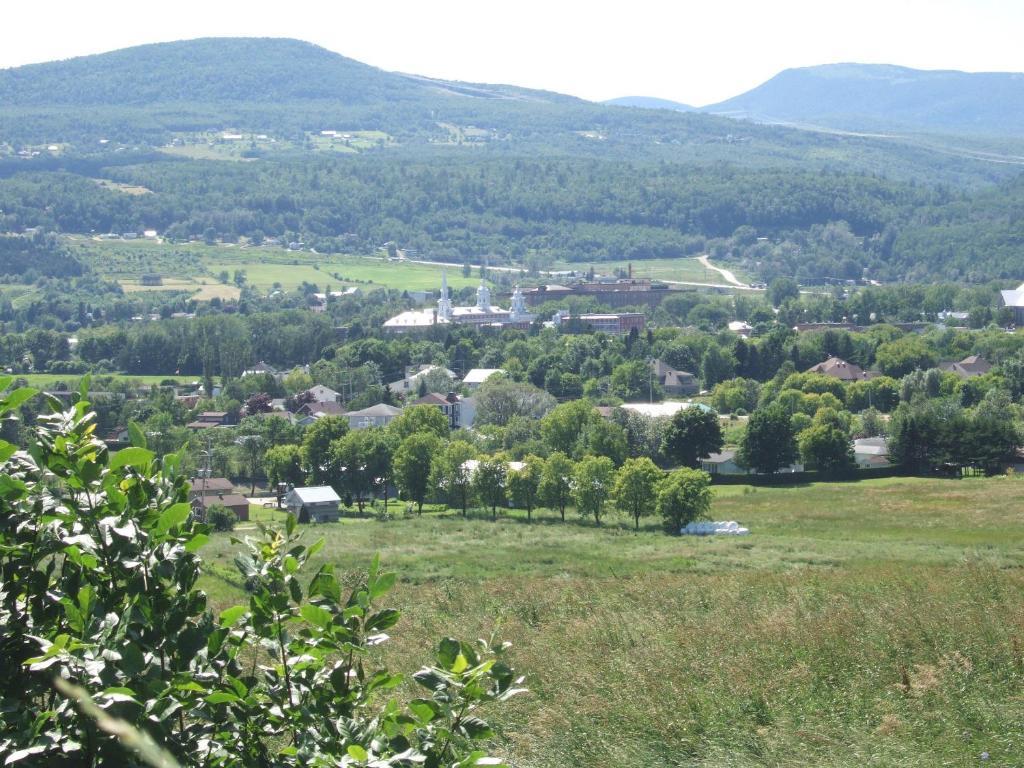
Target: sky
693,52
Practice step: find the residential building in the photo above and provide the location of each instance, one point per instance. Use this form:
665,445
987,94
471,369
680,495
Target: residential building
209,419
316,504
726,463
840,369
260,368
447,404
969,367
674,382
477,376
871,452
665,409
322,394
379,415
205,486
1014,301
232,501
409,384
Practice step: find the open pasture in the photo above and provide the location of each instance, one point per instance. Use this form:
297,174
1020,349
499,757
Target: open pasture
198,266
876,623
684,269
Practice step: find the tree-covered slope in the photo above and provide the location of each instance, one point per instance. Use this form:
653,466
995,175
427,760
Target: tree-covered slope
871,97
648,102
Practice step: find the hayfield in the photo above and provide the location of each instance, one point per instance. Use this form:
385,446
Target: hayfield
871,623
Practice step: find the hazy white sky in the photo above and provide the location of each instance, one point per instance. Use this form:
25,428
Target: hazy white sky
694,52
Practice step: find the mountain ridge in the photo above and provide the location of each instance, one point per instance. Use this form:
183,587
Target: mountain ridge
872,97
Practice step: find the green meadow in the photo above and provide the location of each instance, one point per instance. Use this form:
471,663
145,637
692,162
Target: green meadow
193,266
872,623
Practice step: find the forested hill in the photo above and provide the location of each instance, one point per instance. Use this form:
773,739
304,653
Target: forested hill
258,70
878,97
648,102
290,91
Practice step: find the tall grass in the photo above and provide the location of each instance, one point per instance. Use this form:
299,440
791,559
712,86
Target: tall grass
879,623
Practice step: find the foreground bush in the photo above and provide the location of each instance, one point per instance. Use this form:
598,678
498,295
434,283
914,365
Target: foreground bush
98,574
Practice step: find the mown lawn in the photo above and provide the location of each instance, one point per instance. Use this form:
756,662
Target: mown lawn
871,623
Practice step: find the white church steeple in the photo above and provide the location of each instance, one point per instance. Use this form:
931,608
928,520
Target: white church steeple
518,311
483,298
444,304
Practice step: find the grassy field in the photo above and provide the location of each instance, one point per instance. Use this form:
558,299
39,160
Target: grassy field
45,380
683,269
878,623
196,266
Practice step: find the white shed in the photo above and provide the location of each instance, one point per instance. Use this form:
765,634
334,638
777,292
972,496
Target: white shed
317,504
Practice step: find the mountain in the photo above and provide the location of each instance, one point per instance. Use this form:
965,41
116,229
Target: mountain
648,102
114,108
881,97
255,70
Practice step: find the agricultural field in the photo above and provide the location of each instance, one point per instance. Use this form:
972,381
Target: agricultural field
683,269
196,267
871,623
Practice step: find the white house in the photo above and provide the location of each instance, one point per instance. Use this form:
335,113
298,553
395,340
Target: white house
379,415
871,452
317,504
413,374
725,463
478,376
1014,301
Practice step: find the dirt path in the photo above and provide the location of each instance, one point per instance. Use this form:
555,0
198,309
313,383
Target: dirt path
729,276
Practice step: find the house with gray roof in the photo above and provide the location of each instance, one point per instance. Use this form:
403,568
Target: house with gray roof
379,415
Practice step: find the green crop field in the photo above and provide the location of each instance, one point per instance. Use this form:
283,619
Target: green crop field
876,623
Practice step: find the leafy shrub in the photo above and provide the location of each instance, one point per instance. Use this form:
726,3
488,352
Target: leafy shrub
221,518
99,568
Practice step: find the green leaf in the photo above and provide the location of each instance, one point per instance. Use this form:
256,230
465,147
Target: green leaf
315,547
221,697
196,542
131,457
460,664
317,616
476,728
289,524
357,753
383,619
447,651
6,450
136,435
83,386
172,516
382,585
5,382
16,398
230,615
423,710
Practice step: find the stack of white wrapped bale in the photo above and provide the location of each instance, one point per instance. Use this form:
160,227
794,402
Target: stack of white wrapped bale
706,528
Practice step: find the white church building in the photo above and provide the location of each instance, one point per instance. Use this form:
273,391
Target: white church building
482,314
